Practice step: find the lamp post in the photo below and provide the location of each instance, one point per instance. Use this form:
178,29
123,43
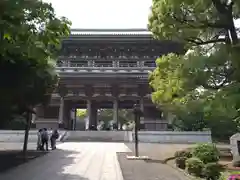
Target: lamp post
137,114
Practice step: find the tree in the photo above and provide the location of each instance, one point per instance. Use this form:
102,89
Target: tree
81,113
209,71
30,37
124,116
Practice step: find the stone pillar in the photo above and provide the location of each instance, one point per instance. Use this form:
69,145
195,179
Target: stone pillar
34,117
90,63
61,111
87,119
73,118
93,119
115,63
142,104
138,64
115,112
142,109
66,115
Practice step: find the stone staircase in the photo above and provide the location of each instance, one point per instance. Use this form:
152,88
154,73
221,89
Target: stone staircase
96,136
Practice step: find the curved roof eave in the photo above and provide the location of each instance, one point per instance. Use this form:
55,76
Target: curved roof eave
111,32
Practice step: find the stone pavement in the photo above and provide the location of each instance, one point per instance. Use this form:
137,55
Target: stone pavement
73,161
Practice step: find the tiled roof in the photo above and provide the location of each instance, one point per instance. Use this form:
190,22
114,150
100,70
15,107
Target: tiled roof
110,32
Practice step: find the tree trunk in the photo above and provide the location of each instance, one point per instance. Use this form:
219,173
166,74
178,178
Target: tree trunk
27,127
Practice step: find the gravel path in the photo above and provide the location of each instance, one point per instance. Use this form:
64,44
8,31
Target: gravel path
143,170
152,169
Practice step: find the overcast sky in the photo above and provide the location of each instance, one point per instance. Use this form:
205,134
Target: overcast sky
99,14
104,14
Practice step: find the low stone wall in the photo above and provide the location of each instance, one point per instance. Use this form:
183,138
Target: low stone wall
144,136
114,136
18,136
173,136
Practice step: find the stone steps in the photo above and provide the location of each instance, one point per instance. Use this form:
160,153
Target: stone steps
91,139
95,136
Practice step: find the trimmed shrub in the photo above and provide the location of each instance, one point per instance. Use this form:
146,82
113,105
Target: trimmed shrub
181,162
194,166
212,171
206,152
183,153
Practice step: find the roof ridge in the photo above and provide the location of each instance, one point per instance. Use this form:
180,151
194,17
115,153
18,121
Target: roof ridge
110,30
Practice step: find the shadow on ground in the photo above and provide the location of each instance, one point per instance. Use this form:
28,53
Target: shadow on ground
14,158
56,165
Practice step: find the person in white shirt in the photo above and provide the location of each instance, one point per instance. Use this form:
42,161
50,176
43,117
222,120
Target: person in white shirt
39,140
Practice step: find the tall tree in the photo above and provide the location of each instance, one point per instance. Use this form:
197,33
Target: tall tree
209,71
30,37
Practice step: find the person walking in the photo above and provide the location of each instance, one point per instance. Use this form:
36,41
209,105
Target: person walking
45,138
39,140
53,139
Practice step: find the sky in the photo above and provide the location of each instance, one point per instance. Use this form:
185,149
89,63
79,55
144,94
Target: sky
105,14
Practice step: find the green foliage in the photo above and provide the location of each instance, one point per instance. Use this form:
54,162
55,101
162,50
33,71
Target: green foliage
183,153
81,113
181,162
16,123
187,20
124,115
207,153
194,166
30,35
201,87
212,171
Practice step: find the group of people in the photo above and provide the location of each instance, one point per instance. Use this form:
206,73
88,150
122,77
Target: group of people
43,138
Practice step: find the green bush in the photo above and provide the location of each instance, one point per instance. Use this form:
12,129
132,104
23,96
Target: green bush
181,162
212,171
194,166
183,153
206,152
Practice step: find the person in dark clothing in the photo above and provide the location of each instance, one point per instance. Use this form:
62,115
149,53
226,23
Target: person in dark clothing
39,140
54,137
45,138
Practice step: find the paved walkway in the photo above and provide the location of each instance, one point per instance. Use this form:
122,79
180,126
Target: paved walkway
73,161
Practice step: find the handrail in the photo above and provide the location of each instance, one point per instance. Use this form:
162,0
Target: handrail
107,58
108,65
105,68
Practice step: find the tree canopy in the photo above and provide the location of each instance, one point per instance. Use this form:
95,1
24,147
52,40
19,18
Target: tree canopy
206,79
30,38
124,115
81,113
